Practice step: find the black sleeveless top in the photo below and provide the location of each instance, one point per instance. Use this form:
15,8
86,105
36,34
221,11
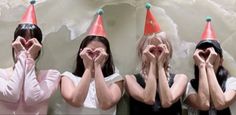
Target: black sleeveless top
139,108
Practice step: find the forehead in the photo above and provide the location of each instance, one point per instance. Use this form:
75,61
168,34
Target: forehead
96,44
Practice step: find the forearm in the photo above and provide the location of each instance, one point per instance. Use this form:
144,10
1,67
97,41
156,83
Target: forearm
32,90
80,93
165,91
36,90
217,95
10,89
149,93
203,88
104,95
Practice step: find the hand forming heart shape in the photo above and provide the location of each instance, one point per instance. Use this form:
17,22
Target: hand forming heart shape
27,44
156,49
205,54
93,54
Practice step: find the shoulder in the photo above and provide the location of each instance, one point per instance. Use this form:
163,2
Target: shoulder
181,77
67,74
231,79
54,72
50,71
2,72
51,74
231,83
130,77
70,76
115,77
189,91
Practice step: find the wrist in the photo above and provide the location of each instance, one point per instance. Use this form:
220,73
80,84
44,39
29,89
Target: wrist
160,65
29,56
88,68
201,65
88,71
209,65
97,65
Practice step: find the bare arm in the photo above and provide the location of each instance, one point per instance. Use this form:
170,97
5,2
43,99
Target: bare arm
219,98
168,95
146,95
107,96
201,100
76,95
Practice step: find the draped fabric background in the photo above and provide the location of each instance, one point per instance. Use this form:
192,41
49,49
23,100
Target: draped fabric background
64,24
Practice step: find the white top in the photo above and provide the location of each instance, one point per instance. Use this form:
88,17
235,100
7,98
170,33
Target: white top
90,105
230,85
25,92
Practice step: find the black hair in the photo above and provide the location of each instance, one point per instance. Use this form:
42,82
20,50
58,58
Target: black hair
203,44
107,69
221,73
24,29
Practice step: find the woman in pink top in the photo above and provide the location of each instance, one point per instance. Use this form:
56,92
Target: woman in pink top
23,88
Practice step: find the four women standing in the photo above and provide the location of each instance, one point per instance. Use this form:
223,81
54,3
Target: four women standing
95,87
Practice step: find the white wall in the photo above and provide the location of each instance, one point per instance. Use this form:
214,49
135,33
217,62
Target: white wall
64,23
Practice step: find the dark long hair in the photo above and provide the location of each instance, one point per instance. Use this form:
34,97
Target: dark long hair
33,30
107,69
221,74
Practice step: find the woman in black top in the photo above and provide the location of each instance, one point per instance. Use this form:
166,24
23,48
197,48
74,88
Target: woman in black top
154,90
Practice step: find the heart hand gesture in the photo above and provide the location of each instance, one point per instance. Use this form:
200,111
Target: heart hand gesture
164,54
33,47
87,55
101,56
199,57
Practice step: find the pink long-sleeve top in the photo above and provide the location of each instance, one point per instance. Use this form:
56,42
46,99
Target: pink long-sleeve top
25,91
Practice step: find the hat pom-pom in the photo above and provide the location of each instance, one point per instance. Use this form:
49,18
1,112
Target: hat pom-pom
100,11
208,18
148,5
32,1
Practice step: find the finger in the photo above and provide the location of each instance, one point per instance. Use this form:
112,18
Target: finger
84,50
87,49
18,38
35,40
99,49
151,54
151,47
89,57
165,48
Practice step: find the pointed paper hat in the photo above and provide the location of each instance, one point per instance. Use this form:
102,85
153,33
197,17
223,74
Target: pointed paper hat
29,16
97,29
209,38
151,25
208,33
